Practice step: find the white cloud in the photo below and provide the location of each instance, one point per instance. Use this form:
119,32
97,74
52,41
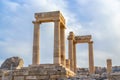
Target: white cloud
99,18
105,17
12,6
18,35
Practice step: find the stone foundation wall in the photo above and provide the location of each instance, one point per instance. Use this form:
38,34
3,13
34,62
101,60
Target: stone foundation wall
39,72
114,76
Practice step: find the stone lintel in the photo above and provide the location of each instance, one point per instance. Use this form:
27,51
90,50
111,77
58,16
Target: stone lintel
50,17
83,39
90,42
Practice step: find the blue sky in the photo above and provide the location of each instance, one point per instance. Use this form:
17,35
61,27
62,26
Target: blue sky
99,18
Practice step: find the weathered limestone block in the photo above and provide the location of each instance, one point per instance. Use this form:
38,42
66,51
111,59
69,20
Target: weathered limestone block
19,78
14,62
41,72
1,72
5,78
51,72
31,77
58,67
47,77
20,72
68,63
38,72
54,76
48,66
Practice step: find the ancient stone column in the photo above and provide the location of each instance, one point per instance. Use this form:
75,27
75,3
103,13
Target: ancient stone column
68,63
57,46
62,37
36,54
109,65
70,50
91,59
74,47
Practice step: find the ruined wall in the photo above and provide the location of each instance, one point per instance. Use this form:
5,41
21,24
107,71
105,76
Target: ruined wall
40,72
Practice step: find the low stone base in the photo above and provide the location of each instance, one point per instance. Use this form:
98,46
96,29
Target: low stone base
39,72
114,76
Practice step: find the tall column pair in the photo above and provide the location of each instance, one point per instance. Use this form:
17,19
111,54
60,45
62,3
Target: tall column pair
72,53
59,43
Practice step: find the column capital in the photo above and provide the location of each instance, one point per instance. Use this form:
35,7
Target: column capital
90,42
56,20
109,59
63,26
75,42
71,36
36,22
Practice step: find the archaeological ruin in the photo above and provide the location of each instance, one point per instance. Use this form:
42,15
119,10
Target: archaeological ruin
73,40
62,68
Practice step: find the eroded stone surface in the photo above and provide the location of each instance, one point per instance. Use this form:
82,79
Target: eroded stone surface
39,72
14,62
